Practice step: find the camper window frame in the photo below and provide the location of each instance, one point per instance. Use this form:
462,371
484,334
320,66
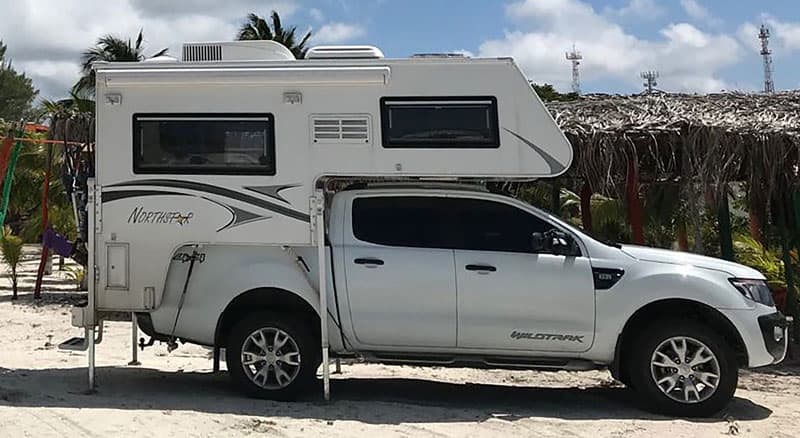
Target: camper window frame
191,170
388,143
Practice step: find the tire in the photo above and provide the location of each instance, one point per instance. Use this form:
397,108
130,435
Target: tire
293,365
695,392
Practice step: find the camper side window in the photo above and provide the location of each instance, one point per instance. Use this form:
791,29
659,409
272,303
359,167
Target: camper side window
230,144
439,122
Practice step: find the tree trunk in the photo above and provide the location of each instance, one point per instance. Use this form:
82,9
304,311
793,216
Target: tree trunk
14,295
683,236
555,198
586,207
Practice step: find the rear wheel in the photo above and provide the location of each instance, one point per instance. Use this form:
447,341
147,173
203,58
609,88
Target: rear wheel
271,356
683,368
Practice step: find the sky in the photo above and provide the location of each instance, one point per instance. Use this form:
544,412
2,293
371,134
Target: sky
695,45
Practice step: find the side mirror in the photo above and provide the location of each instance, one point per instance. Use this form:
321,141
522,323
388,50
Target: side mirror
554,241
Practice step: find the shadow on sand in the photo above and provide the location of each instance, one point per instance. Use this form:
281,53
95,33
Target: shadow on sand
369,400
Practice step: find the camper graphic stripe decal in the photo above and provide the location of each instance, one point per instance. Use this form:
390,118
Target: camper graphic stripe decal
555,165
238,216
125,194
219,191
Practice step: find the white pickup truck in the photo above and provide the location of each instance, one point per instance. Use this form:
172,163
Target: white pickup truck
455,276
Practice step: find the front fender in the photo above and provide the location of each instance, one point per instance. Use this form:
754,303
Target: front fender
648,282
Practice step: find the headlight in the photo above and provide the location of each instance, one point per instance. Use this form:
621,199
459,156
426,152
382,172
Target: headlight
756,290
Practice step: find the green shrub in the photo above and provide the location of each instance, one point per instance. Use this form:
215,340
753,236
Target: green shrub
750,252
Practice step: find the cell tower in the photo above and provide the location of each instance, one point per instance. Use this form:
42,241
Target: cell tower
650,80
575,57
766,53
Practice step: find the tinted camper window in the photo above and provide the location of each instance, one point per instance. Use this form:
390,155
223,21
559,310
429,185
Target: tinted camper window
228,144
425,122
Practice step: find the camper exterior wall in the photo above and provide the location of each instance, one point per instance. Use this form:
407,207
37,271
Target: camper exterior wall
148,216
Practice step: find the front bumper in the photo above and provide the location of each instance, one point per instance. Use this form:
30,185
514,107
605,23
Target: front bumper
756,329
774,331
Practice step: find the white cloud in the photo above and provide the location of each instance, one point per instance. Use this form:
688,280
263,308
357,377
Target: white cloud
316,14
687,58
333,33
646,9
698,12
45,38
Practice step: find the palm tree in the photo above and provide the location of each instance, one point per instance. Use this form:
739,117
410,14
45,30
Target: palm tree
109,48
257,28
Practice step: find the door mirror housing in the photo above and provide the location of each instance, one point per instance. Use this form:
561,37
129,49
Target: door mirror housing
554,242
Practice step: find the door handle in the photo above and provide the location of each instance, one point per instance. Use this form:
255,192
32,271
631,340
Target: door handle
370,262
481,268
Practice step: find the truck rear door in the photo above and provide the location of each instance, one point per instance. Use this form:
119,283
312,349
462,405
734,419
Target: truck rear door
400,279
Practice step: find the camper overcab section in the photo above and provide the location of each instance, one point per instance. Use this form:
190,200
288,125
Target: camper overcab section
229,152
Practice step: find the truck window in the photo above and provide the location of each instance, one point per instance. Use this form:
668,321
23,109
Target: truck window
419,222
230,144
439,122
494,226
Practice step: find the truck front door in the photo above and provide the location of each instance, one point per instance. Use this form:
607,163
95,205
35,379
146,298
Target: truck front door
509,296
400,274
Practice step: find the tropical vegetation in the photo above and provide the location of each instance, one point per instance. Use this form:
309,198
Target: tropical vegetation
109,48
257,28
16,90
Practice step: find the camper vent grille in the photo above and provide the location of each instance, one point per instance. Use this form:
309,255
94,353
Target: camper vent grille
202,52
340,129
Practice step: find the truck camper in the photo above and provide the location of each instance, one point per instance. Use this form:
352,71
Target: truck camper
220,213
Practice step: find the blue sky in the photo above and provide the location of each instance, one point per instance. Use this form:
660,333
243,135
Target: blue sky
696,45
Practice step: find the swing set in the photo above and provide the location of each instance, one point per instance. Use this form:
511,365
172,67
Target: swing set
76,171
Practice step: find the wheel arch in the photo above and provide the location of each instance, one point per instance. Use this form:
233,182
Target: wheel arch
669,308
265,299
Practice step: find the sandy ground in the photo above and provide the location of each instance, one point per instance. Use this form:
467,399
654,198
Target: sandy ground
42,393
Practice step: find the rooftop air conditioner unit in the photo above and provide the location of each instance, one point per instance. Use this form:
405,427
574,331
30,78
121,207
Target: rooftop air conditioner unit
344,52
262,50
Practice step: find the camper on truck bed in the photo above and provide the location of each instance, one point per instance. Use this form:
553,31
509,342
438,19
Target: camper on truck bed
222,213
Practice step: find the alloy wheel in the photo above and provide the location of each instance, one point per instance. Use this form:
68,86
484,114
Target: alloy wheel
270,358
685,369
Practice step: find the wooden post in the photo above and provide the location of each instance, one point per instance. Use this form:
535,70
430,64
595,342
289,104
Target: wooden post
683,235
725,233
586,207
634,205
37,290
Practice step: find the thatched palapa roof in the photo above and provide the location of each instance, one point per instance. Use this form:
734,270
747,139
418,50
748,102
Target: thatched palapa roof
711,139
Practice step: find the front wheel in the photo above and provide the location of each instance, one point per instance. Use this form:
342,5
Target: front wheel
273,357
683,368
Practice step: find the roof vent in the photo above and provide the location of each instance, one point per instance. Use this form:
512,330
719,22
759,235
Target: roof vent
344,52
236,51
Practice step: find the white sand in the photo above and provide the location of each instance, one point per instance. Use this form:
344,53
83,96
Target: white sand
175,395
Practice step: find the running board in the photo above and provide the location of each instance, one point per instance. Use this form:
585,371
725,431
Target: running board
80,344
512,363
